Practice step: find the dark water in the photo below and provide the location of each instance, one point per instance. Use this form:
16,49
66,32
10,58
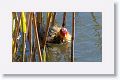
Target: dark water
88,39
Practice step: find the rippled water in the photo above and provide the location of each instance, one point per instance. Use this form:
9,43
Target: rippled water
88,37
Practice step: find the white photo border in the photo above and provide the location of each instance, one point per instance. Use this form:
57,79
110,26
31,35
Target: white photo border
104,67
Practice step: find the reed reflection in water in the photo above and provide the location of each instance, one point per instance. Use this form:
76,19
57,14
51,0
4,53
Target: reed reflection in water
88,37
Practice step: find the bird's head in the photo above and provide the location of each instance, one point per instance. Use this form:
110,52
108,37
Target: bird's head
63,32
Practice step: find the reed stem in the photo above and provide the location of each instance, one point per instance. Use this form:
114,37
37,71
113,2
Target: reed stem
46,34
39,19
34,51
24,47
15,35
64,19
72,38
31,52
29,35
47,28
53,19
39,22
24,26
37,38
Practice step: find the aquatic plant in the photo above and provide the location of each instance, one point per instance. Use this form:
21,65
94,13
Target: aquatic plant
72,38
25,31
